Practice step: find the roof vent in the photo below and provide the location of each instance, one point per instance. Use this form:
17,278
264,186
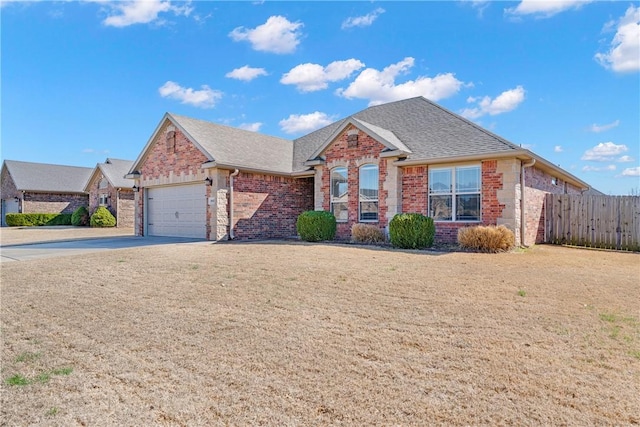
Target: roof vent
352,138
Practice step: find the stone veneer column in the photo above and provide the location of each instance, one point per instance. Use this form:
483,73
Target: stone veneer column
219,211
318,195
393,185
509,195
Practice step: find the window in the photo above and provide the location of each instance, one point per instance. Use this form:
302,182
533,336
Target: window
339,195
103,183
368,193
454,193
102,201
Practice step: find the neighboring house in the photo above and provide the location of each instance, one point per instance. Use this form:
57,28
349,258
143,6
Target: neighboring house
108,187
42,188
215,182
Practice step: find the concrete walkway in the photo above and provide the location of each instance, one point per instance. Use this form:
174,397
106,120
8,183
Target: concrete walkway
36,250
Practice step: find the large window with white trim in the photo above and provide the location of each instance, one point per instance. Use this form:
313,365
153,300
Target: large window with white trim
339,194
454,193
368,193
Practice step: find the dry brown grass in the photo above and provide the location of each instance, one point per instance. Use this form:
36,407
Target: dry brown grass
366,233
301,334
486,238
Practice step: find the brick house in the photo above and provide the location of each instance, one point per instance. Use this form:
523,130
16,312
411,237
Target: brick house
108,187
42,188
206,180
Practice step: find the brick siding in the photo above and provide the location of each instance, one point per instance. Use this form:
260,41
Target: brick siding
415,198
120,203
339,153
537,184
267,206
415,189
164,161
32,202
53,202
170,159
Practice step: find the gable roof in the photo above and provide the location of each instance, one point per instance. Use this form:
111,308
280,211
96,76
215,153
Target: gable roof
384,136
43,177
230,147
416,130
114,171
427,130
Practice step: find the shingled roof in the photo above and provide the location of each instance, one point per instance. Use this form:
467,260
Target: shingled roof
414,129
429,131
232,147
114,171
43,177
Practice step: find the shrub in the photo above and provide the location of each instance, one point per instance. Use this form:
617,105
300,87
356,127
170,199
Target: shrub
314,226
37,219
102,218
486,238
80,217
412,231
366,233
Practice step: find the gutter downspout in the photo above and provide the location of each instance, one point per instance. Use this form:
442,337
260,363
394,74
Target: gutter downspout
523,216
234,174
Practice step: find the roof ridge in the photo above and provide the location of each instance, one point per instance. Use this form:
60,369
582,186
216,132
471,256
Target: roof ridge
235,128
46,164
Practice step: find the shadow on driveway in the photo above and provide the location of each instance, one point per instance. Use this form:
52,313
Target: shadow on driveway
24,252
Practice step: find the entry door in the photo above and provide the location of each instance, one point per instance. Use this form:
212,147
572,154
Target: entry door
178,210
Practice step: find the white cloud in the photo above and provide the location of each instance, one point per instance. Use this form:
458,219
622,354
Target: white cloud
362,21
626,159
601,128
604,152
277,35
479,5
631,171
313,77
253,127
624,53
203,98
125,13
544,8
558,149
505,102
380,86
297,123
246,73
94,151
599,169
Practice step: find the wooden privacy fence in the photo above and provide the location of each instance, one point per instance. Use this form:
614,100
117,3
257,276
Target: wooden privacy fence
610,222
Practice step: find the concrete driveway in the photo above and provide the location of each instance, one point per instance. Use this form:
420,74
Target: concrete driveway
25,252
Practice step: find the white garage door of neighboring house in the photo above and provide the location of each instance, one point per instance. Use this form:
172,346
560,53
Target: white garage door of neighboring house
9,206
179,210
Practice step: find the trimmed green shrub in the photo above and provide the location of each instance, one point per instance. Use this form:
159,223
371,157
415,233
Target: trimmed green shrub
37,219
102,218
314,226
366,233
80,217
411,231
486,238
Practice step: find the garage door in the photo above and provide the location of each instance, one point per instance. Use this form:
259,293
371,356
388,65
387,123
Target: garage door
9,206
178,211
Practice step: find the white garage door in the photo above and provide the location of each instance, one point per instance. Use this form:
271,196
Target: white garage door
9,206
179,211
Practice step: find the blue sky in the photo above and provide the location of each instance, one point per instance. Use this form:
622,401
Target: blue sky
82,81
